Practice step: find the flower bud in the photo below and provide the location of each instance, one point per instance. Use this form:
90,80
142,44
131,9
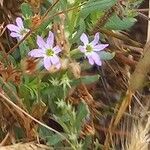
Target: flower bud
75,69
64,63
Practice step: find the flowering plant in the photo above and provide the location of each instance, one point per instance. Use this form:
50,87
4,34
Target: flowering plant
18,31
90,49
46,72
47,51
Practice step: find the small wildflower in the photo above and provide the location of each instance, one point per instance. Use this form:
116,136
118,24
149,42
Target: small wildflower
47,52
90,49
18,31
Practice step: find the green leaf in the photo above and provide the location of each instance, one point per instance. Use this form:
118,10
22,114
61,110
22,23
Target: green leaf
82,112
80,30
115,23
85,79
135,3
76,54
44,25
23,49
12,59
87,142
19,132
63,124
49,137
106,55
26,10
89,79
54,139
25,95
96,5
71,22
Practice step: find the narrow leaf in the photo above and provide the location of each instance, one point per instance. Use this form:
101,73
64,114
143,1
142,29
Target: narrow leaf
26,10
82,113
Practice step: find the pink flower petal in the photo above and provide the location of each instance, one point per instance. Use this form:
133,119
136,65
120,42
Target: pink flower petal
47,62
90,59
40,42
100,47
84,39
36,53
54,59
19,22
96,39
14,34
57,49
96,58
58,65
82,49
13,27
50,39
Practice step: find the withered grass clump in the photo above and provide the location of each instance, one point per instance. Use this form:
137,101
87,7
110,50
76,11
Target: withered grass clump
140,136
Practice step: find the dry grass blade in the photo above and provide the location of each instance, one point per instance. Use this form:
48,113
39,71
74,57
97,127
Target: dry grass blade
125,103
140,137
148,28
142,68
136,81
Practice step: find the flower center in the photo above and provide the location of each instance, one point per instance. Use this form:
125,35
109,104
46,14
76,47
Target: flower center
49,52
23,32
89,48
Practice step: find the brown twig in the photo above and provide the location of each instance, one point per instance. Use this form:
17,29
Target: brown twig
120,36
4,141
144,16
124,59
133,48
117,132
142,10
48,10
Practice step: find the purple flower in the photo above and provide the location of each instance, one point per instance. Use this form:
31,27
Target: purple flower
47,51
17,31
90,49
